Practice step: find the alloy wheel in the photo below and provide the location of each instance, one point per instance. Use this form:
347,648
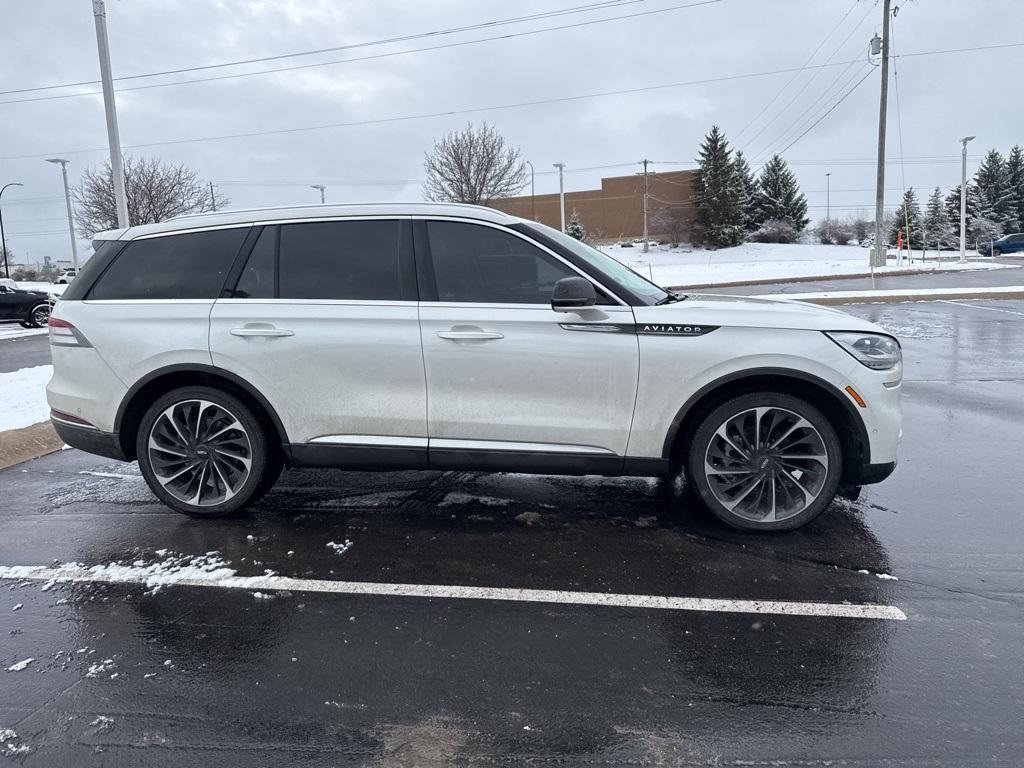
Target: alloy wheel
41,315
766,464
200,452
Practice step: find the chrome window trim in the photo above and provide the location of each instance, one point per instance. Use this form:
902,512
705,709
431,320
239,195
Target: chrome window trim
521,236
371,440
191,231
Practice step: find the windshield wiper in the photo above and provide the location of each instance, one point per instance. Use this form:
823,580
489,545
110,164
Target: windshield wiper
671,298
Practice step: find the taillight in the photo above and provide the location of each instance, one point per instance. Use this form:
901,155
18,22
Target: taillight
64,334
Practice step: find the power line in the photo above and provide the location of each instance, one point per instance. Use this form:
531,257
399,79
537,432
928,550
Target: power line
374,56
473,110
796,74
830,110
384,41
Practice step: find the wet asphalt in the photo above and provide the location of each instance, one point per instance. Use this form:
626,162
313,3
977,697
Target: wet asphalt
203,677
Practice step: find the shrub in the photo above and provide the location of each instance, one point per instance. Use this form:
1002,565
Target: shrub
775,231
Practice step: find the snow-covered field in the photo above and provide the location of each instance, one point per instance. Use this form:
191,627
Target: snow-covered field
34,285
769,261
24,397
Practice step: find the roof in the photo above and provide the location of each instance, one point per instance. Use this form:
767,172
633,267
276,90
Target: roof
305,212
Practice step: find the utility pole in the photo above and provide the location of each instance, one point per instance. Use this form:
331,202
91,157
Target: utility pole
883,101
67,201
213,198
963,197
3,240
561,192
113,138
828,206
533,206
322,188
646,191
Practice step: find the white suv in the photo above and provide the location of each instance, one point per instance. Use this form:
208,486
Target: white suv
216,349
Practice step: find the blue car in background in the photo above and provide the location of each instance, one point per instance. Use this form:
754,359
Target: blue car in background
1005,244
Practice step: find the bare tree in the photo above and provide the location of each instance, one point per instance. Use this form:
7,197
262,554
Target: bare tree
476,166
155,192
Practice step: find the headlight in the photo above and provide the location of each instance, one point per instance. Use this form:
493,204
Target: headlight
871,349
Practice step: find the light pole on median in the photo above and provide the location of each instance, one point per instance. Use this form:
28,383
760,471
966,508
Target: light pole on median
561,193
67,201
828,208
533,206
99,13
3,241
963,197
323,189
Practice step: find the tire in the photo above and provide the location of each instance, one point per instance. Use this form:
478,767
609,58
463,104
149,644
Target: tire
38,316
996,252
751,462
229,467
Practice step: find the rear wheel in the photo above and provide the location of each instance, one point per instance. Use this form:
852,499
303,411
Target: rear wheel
38,316
204,452
766,462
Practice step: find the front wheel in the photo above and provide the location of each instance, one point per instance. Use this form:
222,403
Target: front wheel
765,462
996,252
204,453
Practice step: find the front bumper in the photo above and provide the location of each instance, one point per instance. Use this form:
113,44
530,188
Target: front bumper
90,440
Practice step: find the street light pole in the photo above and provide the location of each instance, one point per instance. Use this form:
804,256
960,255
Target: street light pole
646,190
322,189
828,206
880,171
963,197
561,192
3,241
67,201
99,13
533,205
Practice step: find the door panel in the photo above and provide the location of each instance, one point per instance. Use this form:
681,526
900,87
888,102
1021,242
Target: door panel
530,381
330,368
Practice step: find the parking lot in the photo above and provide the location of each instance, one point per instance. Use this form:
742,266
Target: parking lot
545,669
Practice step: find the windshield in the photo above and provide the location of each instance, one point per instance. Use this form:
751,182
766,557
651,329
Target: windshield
604,263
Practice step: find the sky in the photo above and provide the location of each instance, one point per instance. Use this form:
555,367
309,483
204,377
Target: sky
620,80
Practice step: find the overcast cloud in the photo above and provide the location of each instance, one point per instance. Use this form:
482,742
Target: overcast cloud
942,97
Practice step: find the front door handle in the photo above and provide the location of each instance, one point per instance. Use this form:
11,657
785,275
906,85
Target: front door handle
469,335
245,332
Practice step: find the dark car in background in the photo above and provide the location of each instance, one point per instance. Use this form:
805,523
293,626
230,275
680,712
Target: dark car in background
1006,244
30,308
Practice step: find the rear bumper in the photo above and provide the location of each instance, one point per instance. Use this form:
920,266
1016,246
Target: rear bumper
90,440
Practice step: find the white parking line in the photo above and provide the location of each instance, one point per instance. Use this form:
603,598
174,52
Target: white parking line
142,576
975,306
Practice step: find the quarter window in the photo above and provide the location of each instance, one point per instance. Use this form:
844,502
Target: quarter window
340,260
473,263
189,266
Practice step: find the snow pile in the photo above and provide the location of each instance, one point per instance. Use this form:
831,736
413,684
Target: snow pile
769,261
20,665
15,331
101,668
339,549
457,497
24,401
9,746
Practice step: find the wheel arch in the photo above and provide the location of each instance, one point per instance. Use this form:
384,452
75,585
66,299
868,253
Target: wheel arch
841,413
156,383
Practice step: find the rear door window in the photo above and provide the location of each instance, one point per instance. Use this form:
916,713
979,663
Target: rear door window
187,266
355,260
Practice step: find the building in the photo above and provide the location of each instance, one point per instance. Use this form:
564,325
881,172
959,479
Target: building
616,210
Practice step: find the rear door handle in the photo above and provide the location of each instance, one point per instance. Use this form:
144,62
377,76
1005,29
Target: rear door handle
248,332
463,335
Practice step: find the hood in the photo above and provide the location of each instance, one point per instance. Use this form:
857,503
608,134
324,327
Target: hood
752,312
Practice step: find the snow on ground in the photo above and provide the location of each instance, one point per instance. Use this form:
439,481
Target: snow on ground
24,397
37,285
15,331
769,261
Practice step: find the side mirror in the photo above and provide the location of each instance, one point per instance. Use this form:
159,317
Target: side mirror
572,293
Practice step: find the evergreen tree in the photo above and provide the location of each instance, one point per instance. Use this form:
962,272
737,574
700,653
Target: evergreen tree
748,190
574,228
779,197
936,231
908,218
1015,180
716,192
953,210
992,194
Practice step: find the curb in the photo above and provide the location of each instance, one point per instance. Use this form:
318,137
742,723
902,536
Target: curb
18,445
897,296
